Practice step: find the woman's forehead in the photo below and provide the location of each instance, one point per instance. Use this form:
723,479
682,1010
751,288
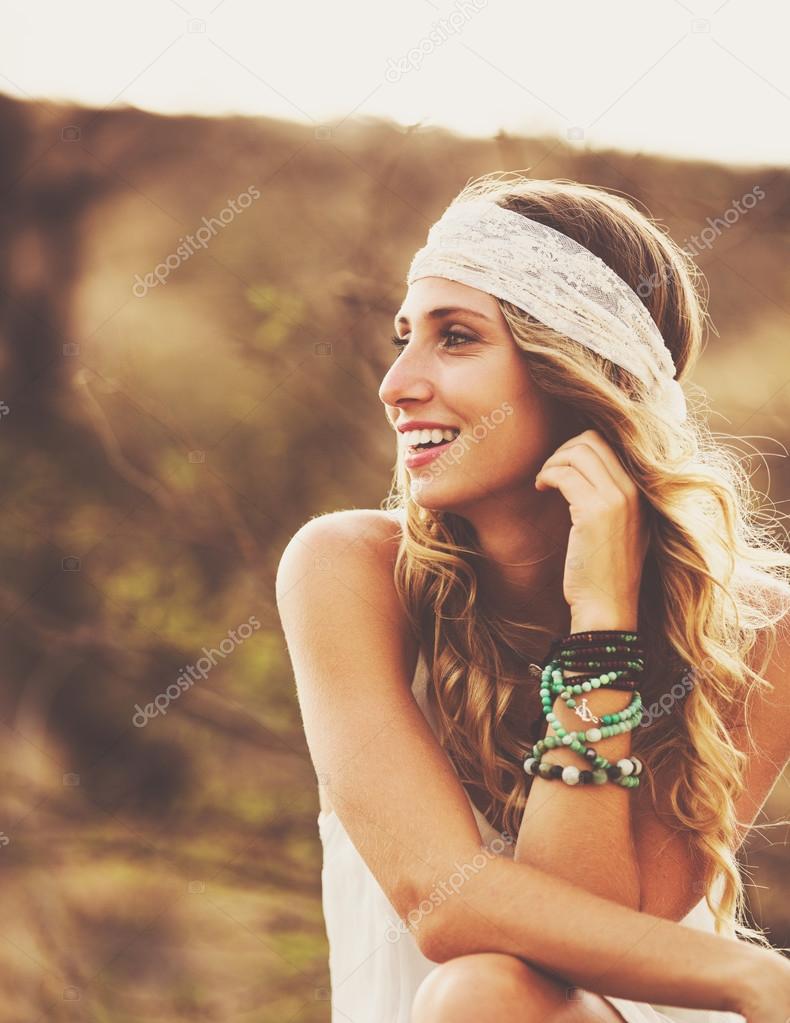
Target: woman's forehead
431,297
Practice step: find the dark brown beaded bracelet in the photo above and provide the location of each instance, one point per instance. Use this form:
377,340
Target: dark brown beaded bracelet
602,645
601,636
610,650
604,665
586,639
567,652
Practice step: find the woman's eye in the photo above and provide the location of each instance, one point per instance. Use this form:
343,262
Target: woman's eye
458,339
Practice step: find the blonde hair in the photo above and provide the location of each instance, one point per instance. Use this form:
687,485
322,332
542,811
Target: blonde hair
713,578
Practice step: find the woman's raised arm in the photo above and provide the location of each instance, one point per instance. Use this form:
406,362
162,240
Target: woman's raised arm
399,799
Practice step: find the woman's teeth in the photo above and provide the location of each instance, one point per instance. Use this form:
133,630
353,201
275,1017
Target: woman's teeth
419,439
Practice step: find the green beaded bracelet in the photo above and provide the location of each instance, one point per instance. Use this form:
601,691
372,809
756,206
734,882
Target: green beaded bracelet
568,653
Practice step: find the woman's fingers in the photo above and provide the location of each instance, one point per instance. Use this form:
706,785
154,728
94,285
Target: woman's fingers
572,484
594,440
587,461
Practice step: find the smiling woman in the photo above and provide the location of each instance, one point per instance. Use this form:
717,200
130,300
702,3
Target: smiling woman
578,519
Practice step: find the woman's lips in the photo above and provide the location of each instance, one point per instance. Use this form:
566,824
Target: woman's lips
414,459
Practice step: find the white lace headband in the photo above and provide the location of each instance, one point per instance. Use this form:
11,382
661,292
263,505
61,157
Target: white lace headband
561,283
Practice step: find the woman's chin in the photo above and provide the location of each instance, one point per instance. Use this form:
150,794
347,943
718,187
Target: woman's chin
433,495
426,495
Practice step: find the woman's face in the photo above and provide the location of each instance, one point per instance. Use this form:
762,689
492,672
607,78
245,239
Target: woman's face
461,368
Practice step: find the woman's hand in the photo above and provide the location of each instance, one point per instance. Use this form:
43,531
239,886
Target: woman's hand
609,534
762,982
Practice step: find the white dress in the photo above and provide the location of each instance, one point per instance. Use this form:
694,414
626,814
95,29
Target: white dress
375,964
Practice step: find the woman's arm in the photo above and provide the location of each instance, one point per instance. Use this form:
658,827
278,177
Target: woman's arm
405,811
584,834
600,946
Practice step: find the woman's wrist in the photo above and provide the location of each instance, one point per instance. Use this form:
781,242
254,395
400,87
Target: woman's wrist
758,983
601,617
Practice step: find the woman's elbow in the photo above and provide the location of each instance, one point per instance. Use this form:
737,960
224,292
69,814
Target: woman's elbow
453,918
429,914
437,935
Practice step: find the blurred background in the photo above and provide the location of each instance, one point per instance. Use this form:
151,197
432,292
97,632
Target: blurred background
207,217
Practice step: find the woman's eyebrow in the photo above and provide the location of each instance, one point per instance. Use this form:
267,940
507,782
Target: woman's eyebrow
439,312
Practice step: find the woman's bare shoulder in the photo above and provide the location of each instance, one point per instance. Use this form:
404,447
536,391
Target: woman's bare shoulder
358,546
375,532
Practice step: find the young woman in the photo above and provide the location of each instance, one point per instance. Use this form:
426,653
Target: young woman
494,841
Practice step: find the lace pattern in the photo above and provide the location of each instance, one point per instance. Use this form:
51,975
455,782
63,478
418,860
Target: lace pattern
560,282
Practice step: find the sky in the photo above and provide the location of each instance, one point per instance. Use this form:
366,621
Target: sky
700,79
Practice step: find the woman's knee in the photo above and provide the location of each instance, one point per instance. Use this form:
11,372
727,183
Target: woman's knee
460,989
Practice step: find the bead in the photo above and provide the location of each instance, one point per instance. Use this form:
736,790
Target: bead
594,735
626,766
529,763
570,775
599,777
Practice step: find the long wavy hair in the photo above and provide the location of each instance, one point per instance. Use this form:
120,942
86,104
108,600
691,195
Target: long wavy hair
714,582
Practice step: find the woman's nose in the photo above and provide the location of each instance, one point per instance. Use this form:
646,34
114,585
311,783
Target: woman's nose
406,378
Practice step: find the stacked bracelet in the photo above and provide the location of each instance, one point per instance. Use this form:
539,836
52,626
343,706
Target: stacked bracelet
618,657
